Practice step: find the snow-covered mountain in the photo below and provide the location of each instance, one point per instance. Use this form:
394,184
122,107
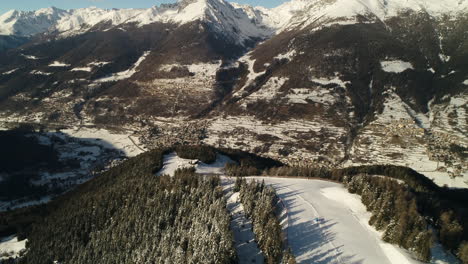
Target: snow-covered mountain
308,12
22,23
251,21
329,81
301,13
218,13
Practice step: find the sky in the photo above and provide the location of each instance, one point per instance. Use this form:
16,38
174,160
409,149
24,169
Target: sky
6,5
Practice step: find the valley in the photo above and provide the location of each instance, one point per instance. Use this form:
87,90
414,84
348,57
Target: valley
173,112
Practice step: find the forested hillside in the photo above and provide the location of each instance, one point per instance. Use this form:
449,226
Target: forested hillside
129,215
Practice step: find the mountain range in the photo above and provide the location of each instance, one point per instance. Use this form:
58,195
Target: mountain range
327,82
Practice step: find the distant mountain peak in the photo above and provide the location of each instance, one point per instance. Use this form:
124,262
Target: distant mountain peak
250,21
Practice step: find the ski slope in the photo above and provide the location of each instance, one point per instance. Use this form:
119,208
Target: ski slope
341,235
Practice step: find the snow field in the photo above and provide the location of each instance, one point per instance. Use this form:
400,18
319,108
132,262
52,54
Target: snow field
11,247
172,162
125,74
123,141
302,95
396,66
201,70
342,234
250,77
268,91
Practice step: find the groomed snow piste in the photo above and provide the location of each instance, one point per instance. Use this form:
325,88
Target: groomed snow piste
342,234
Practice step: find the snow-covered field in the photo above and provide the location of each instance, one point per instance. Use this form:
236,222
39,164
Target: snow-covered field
11,247
90,150
122,141
342,234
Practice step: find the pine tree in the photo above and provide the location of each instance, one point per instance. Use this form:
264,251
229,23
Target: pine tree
463,252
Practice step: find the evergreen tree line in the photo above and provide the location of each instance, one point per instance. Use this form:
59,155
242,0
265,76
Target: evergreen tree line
235,170
129,215
415,180
394,211
259,203
203,153
246,159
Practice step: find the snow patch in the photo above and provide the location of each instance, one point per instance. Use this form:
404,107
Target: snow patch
37,72
125,142
327,81
30,57
125,74
269,90
172,162
251,76
199,69
98,63
11,247
10,72
288,55
83,69
444,58
59,64
395,109
304,95
396,66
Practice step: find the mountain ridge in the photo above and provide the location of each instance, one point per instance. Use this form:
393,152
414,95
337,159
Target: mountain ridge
280,18
319,89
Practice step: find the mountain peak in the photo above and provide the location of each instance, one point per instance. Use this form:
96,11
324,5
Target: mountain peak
247,21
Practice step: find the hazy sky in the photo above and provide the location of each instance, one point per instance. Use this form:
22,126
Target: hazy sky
6,5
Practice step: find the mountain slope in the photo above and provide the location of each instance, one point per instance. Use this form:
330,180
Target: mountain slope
316,90
182,218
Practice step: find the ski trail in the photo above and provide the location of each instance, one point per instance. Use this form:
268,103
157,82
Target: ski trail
316,213
245,244
341,235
